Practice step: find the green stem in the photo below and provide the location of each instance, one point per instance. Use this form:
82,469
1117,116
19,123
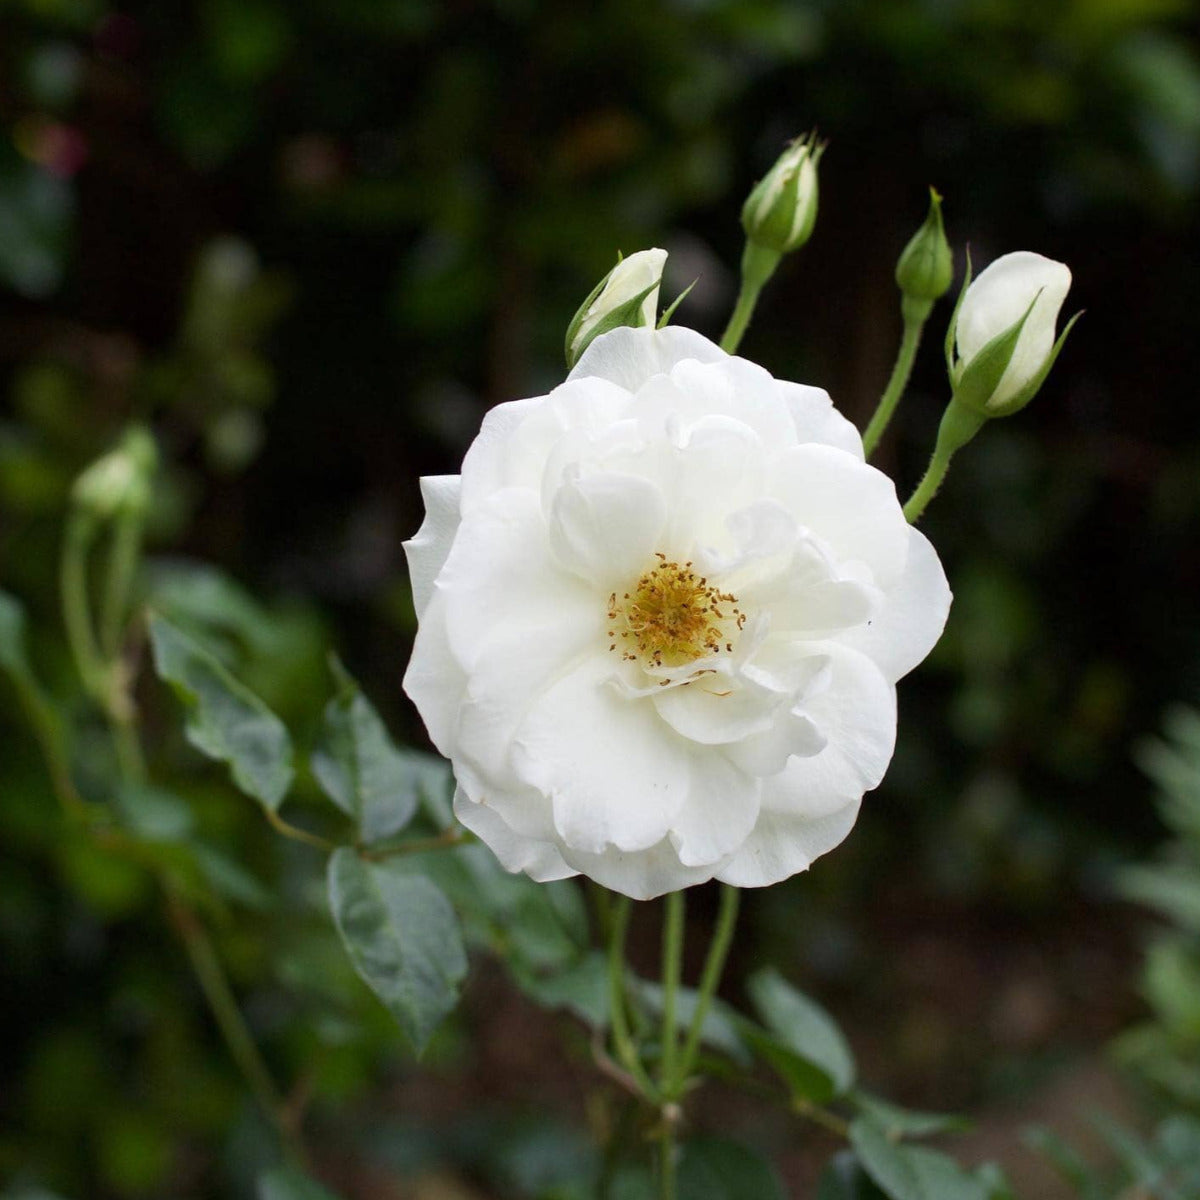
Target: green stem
456,835
673,923
915,316
215,986
714,966
623,1043
666,1161
758,265
73,584
959,425
123,558
49,735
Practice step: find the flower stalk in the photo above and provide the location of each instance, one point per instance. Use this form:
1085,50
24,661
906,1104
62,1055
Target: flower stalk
915,313
758,265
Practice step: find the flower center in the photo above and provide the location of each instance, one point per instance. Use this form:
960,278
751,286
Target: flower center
672,616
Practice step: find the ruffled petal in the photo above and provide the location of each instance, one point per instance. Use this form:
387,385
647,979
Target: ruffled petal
541,861
720,811
816,420
629,357
850,506
616,775
913,615
427,549
783,844
641,875
435,681
606,527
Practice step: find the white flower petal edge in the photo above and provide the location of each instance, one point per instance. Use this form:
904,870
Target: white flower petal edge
661,616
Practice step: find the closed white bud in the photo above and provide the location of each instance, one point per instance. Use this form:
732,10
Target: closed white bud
627,295
1005,332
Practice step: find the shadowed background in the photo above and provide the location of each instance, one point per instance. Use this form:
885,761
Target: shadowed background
311,243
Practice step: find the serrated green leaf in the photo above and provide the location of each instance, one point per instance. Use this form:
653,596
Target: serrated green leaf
286,1183
402,936
717,1169
802,1042
224,719
361,769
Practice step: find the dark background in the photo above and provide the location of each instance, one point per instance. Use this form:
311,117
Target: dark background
311,242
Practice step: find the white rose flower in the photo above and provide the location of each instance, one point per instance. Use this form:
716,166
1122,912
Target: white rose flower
614,300
662,612
995,302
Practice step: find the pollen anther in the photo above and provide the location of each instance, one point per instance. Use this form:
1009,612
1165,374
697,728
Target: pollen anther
673,616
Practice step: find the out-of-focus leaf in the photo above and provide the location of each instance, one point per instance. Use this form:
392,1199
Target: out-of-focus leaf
154,813
1174,891
902,1122
844,1179
720,1029
287,1183
225,720
362,770
802,1043
37,213
14,657
581,989
403,938
718,1169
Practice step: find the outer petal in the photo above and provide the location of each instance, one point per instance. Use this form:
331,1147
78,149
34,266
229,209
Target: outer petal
514,620
616,775
541,861
721,809
427,549
435,681
811,804
643,874
816,420
784,844
913,616
629,357
852,507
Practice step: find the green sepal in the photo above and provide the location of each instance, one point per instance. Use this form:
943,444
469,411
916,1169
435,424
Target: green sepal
669,311
1031,389
925,269
628,314
952,328
958,426
581,312
979,379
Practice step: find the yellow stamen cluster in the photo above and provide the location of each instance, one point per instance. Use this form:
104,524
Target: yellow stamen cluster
671,616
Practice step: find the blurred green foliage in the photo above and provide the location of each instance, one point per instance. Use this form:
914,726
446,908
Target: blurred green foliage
311,243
